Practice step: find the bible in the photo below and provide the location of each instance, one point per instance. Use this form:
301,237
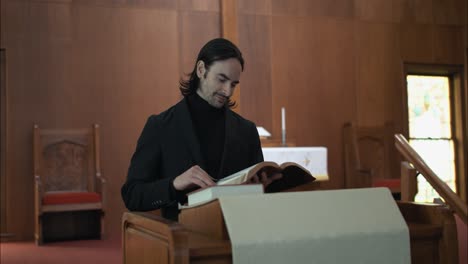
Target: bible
293,175
239,182
205,195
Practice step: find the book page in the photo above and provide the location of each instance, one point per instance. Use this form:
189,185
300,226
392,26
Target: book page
243,175
236,178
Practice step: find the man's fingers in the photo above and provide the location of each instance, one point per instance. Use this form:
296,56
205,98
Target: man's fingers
204,178
266,180
276,176
254,179
193,176
263,177
207,179
198,182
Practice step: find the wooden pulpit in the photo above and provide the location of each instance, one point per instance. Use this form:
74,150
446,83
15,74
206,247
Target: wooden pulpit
201,235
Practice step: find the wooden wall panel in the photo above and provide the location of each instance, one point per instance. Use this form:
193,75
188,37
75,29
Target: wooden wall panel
150,86
286,74
110,66
3,142
333,66
313,76
199,5
375,10
416,43
193,36
72,63
255,43
259,7
449,12
285,7
154,4
448,44
332,8
466,97
414,11
377,53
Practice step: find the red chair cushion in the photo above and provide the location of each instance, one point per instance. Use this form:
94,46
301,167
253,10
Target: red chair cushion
392,184
71,198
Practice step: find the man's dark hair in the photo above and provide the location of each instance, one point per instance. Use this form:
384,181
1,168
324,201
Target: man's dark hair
215,50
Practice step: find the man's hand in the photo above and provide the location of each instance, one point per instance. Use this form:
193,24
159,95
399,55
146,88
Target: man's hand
195,176
262,177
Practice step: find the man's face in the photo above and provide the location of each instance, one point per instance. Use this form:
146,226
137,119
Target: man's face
218,82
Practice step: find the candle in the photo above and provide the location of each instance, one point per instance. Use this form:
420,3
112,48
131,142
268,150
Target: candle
283,126
283,119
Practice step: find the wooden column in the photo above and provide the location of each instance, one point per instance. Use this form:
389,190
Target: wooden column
229,31
3,147
409,184
463,191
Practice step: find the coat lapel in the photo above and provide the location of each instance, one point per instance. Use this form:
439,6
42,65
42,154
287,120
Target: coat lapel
187,132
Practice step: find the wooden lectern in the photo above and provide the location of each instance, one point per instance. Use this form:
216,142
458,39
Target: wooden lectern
201,235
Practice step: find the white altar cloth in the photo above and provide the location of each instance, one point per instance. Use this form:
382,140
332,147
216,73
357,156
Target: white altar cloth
312,158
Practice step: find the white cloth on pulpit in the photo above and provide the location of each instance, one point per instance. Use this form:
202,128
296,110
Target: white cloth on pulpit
338,226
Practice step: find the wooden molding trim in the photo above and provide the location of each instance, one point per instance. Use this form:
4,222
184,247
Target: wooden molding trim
3,144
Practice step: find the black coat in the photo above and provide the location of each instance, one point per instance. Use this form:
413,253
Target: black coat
168,146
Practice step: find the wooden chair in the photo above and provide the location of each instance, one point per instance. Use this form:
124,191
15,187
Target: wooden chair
69,189
370,157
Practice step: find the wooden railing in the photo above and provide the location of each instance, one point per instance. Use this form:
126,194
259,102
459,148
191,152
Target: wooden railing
450,197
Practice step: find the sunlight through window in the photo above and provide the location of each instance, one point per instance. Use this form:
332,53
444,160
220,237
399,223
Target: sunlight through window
430,131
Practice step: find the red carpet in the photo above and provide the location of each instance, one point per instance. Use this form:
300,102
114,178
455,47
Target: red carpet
70,252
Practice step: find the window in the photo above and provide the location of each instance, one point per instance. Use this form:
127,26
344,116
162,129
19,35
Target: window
431,129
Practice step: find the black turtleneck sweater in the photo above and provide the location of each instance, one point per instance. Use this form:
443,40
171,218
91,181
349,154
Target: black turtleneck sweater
209,125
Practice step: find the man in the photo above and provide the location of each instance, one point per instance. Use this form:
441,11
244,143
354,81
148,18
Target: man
197,141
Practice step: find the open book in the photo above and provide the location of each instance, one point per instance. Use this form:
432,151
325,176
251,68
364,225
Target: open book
235,184
205,195
293,175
